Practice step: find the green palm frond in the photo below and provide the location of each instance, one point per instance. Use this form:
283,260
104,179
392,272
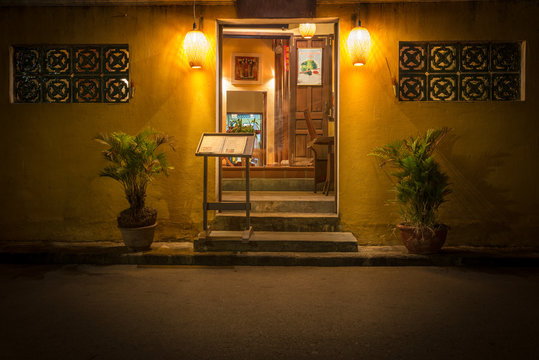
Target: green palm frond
134,161
420,185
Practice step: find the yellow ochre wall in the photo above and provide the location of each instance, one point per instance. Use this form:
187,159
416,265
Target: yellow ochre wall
49,184
491,156
51,190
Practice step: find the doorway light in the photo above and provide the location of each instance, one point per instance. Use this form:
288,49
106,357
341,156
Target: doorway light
307,30
359,43
195,45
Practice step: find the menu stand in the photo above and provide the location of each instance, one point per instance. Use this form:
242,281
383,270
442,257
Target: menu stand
226,145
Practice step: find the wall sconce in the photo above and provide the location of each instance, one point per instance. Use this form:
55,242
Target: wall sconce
359,43
195,45
307,30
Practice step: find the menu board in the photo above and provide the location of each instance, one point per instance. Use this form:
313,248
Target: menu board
234,144
219,144
211,144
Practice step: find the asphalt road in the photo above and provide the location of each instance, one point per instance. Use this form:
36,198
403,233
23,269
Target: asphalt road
129,312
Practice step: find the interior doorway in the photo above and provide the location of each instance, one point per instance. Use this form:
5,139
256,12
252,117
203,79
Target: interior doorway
246,112
281,86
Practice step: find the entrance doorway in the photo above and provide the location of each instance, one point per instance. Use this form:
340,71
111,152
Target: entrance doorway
281,86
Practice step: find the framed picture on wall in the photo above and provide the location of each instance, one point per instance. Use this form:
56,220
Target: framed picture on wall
310,66
246,69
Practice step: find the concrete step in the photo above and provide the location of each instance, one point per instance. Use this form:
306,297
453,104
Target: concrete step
265,241
277,221
285,201
269,184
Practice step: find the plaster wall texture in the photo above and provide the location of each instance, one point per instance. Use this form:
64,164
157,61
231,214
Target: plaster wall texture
491,157
50,189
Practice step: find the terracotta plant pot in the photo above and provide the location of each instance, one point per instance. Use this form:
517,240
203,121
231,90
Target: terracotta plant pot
138,238
423,242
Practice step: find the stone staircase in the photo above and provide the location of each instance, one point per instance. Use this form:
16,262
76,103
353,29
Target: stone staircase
281,211
286,215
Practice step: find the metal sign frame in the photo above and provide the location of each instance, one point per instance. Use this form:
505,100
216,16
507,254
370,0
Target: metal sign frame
224,145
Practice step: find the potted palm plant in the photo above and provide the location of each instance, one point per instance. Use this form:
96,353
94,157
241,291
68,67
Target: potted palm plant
421,188
134,162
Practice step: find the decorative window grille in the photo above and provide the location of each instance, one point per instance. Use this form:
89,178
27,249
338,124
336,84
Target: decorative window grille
461,71
70,74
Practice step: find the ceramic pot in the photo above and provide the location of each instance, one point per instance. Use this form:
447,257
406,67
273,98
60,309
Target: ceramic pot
428,241
138,238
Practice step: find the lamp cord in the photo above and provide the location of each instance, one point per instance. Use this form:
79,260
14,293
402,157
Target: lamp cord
358,13
194,16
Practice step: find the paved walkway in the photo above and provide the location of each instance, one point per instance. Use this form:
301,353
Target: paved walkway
181,253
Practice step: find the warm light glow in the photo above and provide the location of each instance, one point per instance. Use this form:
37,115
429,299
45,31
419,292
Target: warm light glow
307,30
196,47
359,45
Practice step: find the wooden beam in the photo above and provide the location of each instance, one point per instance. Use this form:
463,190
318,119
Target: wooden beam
202,2
113,2
276,9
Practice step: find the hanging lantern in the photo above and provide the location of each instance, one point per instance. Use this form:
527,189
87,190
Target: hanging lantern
195,45
359,45
359,42
196,48
307,30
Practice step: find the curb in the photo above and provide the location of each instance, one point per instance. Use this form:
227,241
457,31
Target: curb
367,256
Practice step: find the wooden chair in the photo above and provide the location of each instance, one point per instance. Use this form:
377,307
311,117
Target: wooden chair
322,147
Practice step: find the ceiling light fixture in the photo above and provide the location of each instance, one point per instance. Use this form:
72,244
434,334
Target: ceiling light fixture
307,30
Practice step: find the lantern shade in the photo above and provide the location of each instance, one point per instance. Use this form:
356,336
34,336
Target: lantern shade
196,48
307,30
359,45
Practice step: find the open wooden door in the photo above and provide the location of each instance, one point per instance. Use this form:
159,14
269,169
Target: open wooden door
316,98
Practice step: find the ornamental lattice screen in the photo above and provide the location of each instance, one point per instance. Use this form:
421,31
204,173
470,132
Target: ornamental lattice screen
461,71
70,74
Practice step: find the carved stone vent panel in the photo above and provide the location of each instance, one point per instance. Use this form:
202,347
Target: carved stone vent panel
87,60
412,87
474,57
413,57
474,87
443,87
70,74
460,71
116,60
27,89
505,87
57,89
506,57
87,89
443,57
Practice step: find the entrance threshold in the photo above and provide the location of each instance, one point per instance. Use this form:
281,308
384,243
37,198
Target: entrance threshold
269,172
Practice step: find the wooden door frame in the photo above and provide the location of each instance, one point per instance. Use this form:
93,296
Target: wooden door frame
220,24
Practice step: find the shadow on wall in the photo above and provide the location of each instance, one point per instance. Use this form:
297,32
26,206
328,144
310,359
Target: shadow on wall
478,212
